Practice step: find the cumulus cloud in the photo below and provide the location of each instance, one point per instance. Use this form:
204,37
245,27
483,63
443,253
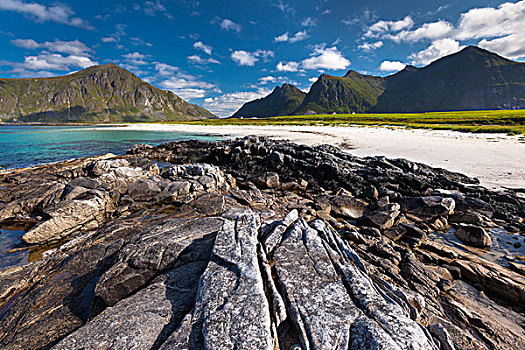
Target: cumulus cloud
285,37
54,62
199,45
368,47
245,58
74,47
499,29
228,25
313,79
391,66
227,104
58,13
326,58
288,66
434,30
437,49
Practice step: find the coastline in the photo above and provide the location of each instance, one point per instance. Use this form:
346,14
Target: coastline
497,160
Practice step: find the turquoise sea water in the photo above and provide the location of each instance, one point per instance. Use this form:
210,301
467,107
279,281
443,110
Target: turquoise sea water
22,146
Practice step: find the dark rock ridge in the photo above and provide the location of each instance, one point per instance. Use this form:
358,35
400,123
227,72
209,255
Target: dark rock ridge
284,100
105,93
472,79
259,244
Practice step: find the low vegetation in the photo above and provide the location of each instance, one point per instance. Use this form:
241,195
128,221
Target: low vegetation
500,121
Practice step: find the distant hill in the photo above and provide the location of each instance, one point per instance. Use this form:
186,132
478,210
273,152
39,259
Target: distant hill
472,79
284,100
96,94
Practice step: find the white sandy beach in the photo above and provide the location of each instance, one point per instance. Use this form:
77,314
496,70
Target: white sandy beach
496,160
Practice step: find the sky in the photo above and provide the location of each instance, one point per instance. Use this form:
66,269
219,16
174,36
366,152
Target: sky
221,54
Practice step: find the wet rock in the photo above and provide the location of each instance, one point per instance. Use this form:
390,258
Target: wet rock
473,235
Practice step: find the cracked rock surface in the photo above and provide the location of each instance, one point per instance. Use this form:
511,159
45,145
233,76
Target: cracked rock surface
259,244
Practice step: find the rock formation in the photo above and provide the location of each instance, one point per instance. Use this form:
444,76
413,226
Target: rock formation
259,244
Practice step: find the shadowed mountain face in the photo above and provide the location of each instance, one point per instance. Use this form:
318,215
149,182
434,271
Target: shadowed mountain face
284,100
468,80
472,79
98,93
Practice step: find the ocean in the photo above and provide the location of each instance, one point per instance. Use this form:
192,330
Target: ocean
23,146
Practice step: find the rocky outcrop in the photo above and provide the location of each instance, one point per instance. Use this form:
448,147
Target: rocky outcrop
258,244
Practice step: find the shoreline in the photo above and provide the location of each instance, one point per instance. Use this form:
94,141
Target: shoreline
502,165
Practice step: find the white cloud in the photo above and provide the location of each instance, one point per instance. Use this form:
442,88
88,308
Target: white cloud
228,24
74,47
511,46
501,29
41,13
227,104
120,31
368,47
326,58
432,31
271,79
508,18
186,86
165,70
199,45
381,27
309,22
285,37
288,66
109,39
136,58
437,49
52,62
313,79
245,58
199,60
391,66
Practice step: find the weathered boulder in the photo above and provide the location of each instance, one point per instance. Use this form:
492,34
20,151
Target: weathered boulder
348,207
425,208
473,235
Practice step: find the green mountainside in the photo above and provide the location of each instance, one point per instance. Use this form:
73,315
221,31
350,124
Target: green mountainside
284,100
352,93
472,79
105,93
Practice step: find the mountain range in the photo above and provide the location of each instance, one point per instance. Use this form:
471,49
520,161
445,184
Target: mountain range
472,79
105,93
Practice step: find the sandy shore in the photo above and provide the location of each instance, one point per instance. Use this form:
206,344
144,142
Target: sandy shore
496,160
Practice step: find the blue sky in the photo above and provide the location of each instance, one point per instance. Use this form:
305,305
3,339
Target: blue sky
220,54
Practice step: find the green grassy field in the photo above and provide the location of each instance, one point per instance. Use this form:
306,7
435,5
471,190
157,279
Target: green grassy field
500,121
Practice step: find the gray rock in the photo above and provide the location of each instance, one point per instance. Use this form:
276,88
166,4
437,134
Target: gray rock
347,206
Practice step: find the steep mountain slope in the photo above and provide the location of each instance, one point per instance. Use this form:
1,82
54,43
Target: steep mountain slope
284,100
354,92
468,80
472,79
98,93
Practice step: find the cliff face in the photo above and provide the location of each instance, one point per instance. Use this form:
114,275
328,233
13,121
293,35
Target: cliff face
99,93
472,79
284,100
